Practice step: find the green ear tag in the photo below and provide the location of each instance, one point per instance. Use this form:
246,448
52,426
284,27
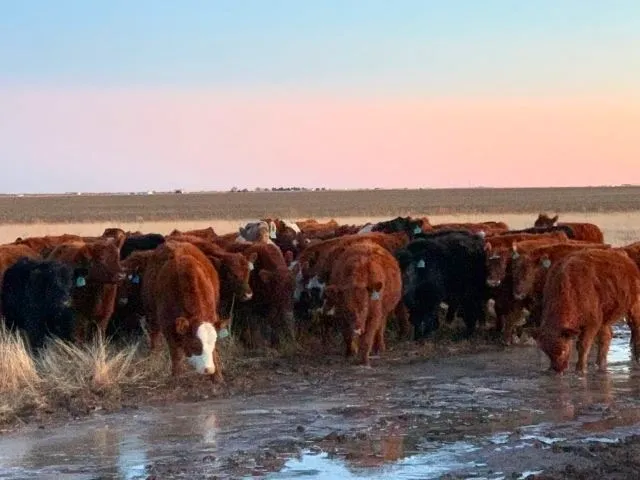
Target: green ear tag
80,282
223,333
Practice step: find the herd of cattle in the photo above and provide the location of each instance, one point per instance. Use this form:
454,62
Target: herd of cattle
285,278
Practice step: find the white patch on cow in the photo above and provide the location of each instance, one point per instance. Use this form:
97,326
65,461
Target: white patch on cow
293,264
375,295
515,255
315,283
482,234
546,263
295,242
421,264
292,225
494,257
204,363
251,267
368,228
272,230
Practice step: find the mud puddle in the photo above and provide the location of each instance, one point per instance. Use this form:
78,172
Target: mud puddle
492,415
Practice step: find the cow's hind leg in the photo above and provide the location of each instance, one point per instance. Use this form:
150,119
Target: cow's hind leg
633,320
584,343
604,341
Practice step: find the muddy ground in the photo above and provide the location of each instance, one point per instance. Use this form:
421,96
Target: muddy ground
461,410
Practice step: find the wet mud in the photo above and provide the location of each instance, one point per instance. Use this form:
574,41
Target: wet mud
494,414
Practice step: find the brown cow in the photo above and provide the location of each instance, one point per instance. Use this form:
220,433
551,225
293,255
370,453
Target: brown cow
585,293
205,233
272,283
45,245
95,293
186,291
581,231
364,288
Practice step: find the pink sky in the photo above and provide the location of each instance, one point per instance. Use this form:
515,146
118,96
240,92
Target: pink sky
106,140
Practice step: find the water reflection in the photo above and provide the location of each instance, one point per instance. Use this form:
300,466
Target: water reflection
444,416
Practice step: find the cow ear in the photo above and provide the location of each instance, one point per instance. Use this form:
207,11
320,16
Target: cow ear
182,326
569,333
265,275
488,247
554,219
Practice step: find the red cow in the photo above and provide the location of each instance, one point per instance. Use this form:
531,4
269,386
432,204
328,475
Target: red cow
186,294
581,231
365,287
585,293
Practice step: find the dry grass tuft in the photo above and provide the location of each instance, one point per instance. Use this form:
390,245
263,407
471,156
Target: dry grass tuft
17,368
97,367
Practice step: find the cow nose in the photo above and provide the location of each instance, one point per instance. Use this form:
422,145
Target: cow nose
209,370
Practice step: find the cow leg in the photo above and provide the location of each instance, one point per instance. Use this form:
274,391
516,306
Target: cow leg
366,343
379,346
604,341
402,318
633,320
347,335
585,341
217,362
473,313
177,359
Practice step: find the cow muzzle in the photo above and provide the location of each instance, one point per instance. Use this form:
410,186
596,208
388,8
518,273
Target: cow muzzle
494,283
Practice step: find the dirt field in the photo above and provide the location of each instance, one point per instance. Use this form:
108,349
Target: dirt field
448,409
385,203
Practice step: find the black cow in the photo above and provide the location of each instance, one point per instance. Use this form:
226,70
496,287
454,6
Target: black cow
132,243
36,299
399,224
447,267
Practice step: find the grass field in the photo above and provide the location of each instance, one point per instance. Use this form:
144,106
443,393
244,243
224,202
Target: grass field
378,203
616,210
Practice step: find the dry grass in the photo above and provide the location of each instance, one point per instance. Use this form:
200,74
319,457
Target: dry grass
97,367
369,203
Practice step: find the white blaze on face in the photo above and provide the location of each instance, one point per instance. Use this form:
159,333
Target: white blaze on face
208,336
316,283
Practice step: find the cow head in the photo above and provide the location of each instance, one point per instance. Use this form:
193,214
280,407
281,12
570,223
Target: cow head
129,290
235,270
351,303
545,220
198,340
525,271
557,346
497,261
101,259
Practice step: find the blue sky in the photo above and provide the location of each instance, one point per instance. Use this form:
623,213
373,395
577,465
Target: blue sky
399,47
